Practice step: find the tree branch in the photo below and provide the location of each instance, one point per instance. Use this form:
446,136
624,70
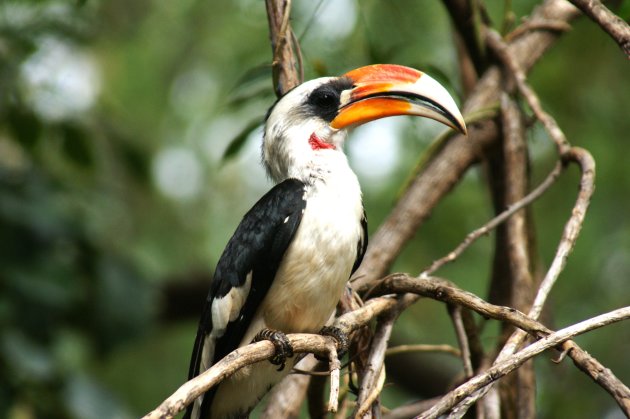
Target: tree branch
264,350
493,223
509,364
284,64
375,366
442,290
447,166
609,22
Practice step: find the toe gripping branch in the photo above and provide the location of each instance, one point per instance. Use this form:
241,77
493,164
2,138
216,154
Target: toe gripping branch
280,341
339,336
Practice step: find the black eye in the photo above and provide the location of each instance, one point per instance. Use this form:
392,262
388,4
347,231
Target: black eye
324,97
324,102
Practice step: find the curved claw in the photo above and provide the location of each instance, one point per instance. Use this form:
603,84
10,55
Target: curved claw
280,342
339,336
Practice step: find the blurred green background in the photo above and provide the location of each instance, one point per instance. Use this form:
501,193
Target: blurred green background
116,195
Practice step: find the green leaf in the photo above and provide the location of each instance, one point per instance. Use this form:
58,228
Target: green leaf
239,141
254,83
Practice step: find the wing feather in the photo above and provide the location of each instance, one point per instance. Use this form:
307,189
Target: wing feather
243,276
362,245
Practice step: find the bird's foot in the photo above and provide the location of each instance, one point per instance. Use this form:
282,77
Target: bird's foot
341,338
280,341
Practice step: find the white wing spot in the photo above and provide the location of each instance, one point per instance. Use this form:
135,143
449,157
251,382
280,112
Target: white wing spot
221,308
286,220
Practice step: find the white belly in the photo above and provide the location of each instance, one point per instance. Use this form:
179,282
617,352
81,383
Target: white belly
318,263
307,286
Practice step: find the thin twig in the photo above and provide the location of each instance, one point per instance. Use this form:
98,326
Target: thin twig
508,60
614,26
403,349
567,153
334,367
442,290
500,369
372,396
538,25
490,225
456,316
573,225
375,365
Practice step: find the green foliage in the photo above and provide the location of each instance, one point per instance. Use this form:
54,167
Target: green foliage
128,154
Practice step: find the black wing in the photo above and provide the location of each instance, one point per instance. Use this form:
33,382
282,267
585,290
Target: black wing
362,245
256,249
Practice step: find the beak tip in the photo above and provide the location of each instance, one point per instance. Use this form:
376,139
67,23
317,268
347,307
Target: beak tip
463,129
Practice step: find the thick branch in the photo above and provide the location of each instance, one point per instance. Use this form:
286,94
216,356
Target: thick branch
567,153
284,64
512,282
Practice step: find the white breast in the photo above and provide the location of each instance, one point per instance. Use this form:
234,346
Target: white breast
319,261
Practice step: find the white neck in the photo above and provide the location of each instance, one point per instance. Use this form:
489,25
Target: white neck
287,153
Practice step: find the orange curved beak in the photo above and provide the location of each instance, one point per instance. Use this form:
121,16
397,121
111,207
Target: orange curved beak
383,90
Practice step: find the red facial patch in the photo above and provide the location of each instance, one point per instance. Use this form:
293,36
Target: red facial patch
317,144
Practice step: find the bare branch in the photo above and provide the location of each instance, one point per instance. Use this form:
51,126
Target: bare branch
402,349
538,25
600,374
334,367
456,316
442,290
512,282
446,167
609,22
227,366
509,364
372,396
284,64
567,153
467,19
490,225
509,60
263,350
410,410
374,373
574,224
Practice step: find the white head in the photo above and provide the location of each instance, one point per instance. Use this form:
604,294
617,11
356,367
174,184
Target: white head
310,122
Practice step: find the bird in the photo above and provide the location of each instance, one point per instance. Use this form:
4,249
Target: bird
290,258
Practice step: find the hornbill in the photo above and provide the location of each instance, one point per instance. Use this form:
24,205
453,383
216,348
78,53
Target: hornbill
285,267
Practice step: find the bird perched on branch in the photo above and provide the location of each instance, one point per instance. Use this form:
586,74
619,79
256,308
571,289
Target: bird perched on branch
285,267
